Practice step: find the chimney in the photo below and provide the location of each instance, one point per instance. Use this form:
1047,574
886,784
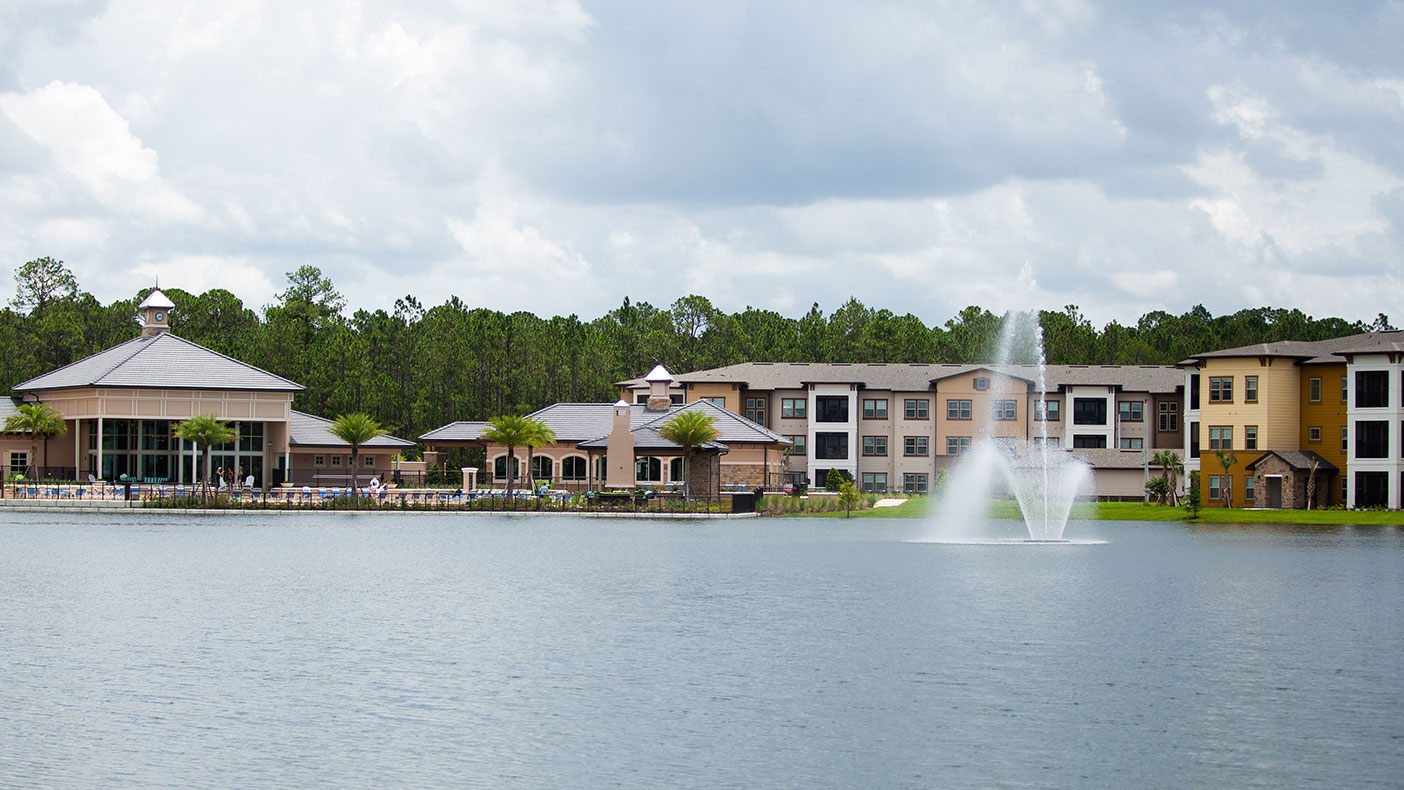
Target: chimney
659,380
619,449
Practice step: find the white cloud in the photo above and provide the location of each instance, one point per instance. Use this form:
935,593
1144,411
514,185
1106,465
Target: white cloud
94,144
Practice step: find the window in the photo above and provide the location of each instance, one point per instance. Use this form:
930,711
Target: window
1094,441
874,445
1131,443
1250,389
1371,389
831,446
648,470
796,444
368,461
792,408
573,468
1220,437
874,408
1216,490
675,469
1194,392
717,401
19,463
831,408
675,398
542,467
1371,439
1169,416
499,468
1005,410
1345,439
955,445
1221,389
1314,390
336,460
641,398
319,460
1248,482
982,383
1194,438
1046,410
875,482
1130,410
1345,389
1345,488
920,445
1250,437
755,410
958,410
1051,441
914,483
1314,433
917,409
1089,411
1371,489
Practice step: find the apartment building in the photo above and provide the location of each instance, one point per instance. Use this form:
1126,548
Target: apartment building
892,426
1304,423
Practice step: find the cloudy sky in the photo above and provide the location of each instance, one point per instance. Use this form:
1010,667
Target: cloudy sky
558,155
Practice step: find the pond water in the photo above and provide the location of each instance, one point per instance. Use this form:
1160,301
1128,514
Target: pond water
365,650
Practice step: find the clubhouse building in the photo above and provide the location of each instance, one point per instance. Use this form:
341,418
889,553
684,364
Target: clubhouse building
121,406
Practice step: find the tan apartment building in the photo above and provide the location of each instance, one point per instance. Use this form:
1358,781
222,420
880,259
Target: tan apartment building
1314,422
892,426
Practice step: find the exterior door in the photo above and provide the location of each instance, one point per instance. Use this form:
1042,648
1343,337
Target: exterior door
1274,492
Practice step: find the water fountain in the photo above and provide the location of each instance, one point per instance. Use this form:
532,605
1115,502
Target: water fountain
1044,480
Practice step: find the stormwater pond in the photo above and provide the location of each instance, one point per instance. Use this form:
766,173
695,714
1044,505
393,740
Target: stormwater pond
487,651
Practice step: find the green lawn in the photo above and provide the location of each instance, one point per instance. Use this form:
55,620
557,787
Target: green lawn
1135,511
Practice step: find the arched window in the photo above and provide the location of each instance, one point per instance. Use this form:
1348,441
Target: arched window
675,470
541,467
499,468
573,468
648,470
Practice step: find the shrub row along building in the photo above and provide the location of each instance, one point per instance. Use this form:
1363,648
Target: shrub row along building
1275,425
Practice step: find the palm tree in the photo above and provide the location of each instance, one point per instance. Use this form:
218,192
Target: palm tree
356,429
40,421
689,428
1227,459
1169,463
517,432
205,431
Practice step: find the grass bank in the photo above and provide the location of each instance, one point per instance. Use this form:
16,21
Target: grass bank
920,507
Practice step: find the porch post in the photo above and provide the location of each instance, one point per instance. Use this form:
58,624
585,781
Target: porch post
99,448
77,455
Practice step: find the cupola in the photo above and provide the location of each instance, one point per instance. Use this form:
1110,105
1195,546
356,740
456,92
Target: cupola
155,313
659,379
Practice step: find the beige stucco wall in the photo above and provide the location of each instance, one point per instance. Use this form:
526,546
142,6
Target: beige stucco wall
962,387
729,391
158,404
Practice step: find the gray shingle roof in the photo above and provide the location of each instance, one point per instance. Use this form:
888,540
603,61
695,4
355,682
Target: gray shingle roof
1114,458
1316,352
1296,459
461,431
305,430
916,377
162,361
583,423
8,407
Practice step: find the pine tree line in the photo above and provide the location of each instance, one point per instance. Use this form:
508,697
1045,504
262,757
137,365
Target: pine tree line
415,369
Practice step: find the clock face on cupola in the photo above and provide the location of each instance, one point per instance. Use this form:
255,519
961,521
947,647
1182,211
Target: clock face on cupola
155,312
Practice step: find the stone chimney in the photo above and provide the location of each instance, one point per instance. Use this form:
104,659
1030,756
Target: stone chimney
155,313
659,379
619,449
